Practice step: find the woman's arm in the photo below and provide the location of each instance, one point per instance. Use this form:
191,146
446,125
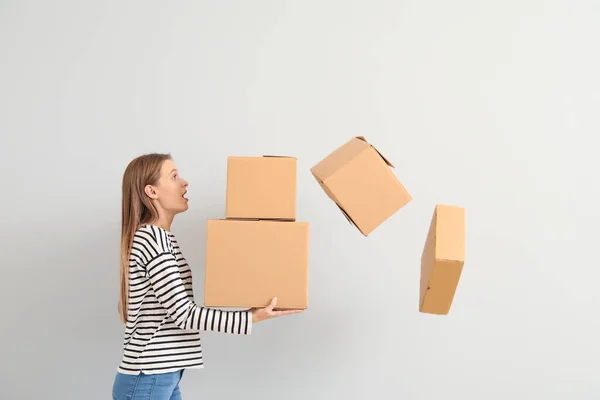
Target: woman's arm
163,271
169,289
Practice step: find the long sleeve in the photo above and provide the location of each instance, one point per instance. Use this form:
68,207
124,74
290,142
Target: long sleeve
164,275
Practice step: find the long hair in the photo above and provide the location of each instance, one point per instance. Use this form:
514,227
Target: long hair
136,210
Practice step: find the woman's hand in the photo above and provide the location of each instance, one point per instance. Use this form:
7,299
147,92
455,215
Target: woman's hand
261,314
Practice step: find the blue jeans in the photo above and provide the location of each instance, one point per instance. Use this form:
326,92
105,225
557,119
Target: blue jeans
147,387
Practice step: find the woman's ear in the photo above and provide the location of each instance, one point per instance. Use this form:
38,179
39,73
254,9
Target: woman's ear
150,191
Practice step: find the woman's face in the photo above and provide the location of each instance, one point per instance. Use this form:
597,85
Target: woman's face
170,190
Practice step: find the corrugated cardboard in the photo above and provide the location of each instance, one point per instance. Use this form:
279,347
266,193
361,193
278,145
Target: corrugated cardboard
261,188
360,180
442,259
250,262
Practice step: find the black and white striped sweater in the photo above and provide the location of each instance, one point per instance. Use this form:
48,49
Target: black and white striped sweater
163,324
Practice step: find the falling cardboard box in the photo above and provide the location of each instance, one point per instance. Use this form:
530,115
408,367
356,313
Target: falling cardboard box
442,259
261,188
361,182
250,262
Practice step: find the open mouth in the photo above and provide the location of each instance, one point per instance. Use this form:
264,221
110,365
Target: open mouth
183,195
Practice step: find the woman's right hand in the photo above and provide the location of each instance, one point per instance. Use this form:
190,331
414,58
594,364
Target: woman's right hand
268,312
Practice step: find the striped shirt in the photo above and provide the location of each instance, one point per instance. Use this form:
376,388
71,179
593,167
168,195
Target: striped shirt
163,323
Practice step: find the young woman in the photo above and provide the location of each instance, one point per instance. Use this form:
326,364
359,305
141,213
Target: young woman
162,322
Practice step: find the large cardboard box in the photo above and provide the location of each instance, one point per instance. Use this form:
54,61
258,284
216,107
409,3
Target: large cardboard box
250,262
442,259
360,180
261,188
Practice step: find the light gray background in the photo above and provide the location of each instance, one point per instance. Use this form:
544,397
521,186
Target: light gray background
489,106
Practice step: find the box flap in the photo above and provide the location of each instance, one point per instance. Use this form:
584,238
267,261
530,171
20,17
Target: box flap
378,152
277,156
384,159
280,219
346,215
332,197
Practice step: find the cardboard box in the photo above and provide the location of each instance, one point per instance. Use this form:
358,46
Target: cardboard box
250,262
442,259
261,188
360,180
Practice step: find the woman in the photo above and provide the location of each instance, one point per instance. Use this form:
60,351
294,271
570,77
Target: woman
162,322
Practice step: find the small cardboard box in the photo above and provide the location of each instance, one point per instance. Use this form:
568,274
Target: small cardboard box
442,259
261,188
250,262
359,179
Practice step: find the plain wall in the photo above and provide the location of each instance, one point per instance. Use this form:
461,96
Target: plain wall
492,106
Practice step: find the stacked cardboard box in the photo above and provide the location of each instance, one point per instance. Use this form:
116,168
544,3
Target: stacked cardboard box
259,251
360,180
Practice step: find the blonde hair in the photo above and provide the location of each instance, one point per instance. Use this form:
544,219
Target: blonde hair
136,210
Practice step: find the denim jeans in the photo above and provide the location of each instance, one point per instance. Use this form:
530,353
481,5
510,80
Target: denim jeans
147,387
